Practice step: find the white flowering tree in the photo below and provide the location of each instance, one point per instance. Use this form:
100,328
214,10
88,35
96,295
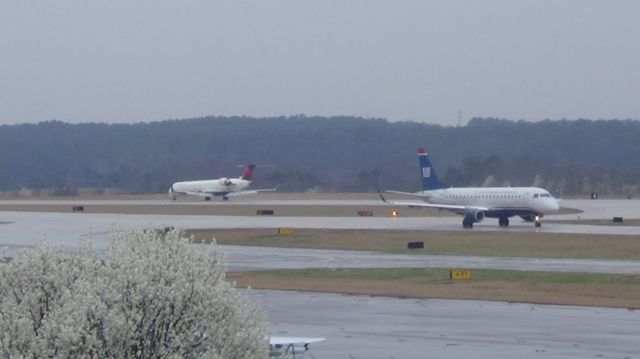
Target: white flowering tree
153,295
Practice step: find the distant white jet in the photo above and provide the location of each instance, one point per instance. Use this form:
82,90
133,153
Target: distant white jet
225,187
476,203
290,347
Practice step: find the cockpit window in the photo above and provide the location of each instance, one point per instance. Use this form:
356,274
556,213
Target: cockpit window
535,195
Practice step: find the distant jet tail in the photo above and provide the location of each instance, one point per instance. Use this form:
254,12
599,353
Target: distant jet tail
427,172
248,172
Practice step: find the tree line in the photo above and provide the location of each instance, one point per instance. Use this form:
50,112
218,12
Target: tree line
339,153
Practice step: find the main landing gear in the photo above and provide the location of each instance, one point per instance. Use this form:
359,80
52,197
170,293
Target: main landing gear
504,222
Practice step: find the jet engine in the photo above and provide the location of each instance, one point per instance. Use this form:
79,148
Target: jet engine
474,215
225,181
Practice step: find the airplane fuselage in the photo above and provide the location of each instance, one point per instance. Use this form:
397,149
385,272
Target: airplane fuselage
216,185
476,203
225,187
502,201
207,188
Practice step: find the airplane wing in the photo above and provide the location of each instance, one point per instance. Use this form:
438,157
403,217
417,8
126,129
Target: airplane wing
200,194
450,207
420,195
252,191
228,194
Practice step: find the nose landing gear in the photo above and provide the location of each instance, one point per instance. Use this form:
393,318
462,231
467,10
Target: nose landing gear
537,222
503,222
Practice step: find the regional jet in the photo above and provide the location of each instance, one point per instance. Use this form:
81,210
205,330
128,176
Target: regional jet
476,203
225,187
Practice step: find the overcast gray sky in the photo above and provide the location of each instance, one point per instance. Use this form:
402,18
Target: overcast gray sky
143,60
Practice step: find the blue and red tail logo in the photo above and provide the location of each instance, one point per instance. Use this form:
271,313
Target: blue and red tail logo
427,172
248,172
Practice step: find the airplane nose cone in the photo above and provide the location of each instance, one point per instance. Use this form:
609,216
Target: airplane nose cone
555,206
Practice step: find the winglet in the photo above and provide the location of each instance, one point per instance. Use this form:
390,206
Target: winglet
382,197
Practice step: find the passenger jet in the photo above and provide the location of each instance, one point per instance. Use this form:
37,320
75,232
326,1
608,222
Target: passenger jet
225,187
476,203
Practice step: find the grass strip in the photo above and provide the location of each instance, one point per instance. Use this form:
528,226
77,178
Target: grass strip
591,289
475,243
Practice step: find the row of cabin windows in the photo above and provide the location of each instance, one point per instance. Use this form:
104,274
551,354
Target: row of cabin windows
542,195
495,196
484,196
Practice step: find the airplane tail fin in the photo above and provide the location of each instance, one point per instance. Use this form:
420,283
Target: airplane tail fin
428,173
248,172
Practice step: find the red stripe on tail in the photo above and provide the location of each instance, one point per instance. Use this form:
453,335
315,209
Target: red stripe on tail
248,172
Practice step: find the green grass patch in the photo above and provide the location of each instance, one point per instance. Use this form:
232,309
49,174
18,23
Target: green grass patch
480,243
438,275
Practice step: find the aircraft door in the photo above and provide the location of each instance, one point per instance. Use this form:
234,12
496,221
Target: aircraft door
523,199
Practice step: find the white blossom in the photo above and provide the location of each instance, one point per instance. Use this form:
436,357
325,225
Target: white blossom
153,296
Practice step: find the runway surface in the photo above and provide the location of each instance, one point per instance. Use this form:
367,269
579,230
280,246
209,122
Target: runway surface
374,201
592,209
243,258
601,208
28,228
382,327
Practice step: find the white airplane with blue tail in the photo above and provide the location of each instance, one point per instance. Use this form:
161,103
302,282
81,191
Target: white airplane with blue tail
476,203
